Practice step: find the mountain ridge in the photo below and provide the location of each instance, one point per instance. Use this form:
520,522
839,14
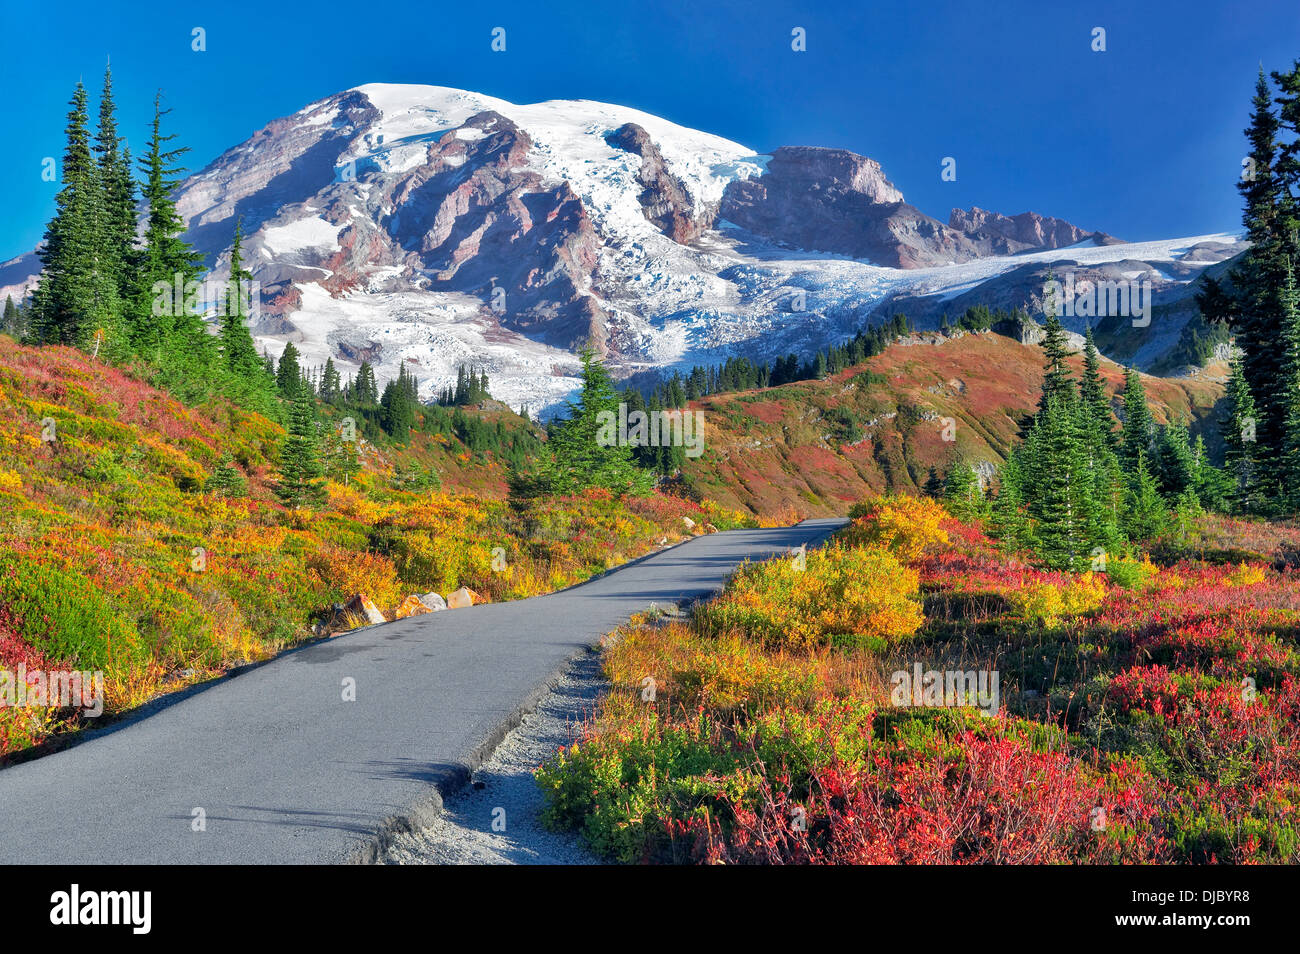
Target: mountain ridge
435,227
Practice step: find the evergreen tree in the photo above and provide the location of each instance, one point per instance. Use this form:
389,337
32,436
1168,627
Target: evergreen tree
1212,486
1105,506
167,328
584,450
1174,463
1145,514
1138,427
1288,393
963,492
366,388
645,456
118,196
226,481
399,403
12,323
666,458
238,353
1218,305
300,466
1061,486
1268,186
288,374
330,387
1062,489
1239,441
76,301
1057,382
933,485
1092,390
1008,514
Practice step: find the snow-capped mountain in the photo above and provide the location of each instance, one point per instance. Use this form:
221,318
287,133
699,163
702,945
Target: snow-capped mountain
441,227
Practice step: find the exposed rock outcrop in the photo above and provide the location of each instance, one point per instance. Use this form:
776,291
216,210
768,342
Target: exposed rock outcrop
664,199
1015,233
833,200
480,220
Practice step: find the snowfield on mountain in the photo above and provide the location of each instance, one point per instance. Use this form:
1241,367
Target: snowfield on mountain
436,227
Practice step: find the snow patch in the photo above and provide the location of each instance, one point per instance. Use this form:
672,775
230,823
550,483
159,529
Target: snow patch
311,232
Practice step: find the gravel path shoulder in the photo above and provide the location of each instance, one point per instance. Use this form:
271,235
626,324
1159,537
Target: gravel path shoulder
503,789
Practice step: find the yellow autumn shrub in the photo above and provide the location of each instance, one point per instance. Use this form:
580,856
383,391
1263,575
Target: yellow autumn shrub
1048,602
1037,601
905,526
1083,594
345,573
1246,575
844,596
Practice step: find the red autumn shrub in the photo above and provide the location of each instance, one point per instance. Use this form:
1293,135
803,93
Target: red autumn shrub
1149,688
995,801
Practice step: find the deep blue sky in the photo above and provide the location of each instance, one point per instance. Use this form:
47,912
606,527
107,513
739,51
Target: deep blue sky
1142,141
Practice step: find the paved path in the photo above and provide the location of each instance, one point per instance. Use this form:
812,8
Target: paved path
286,771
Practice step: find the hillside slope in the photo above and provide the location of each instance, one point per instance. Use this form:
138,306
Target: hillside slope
815,447
114,558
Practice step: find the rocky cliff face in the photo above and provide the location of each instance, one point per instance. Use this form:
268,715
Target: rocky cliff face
480,222
833,200
1016,233
665,200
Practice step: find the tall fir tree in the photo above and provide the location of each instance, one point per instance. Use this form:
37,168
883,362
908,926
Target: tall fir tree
1145,514
582,450
1269,217
365,387
963,492
1287,472
1174,462
1061,502
118,196
1010,520
1288,158
1138,426
1092,390
1057,382
76,301
1062,487
1237,428
288,373
167,328
399,405
12,324
330,384
239,356
933,486
300,465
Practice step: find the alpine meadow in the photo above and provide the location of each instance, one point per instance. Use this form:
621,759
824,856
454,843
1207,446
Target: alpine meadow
436,476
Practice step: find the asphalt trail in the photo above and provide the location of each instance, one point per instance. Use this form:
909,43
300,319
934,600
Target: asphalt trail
286,771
